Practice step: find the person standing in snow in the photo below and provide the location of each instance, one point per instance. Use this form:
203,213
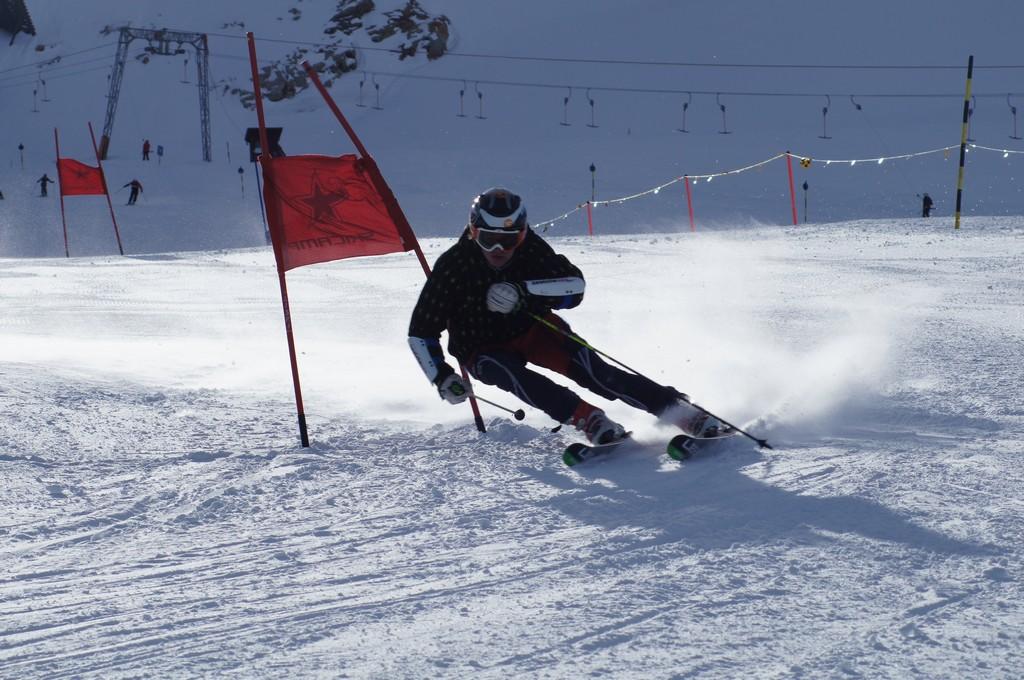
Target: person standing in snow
489,291
145,150
136,186
926,206
43,181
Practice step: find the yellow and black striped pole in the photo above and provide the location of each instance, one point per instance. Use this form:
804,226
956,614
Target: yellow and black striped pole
963,142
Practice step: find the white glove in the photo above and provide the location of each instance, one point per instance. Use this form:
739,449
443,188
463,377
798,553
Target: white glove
504,298
453,390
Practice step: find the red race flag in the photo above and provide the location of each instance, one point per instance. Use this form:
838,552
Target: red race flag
324,208
78,179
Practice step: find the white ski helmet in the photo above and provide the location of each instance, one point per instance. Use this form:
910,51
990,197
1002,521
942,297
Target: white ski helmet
497,219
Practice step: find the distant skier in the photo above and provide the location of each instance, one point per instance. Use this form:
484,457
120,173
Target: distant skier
926,206
485,291
136,186
43,181
145,150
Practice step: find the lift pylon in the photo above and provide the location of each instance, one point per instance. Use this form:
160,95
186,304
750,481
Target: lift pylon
162,42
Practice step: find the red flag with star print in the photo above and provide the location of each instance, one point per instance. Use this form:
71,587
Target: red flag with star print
324,208
78,179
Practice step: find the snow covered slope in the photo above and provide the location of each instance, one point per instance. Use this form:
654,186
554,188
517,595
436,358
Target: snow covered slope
161,522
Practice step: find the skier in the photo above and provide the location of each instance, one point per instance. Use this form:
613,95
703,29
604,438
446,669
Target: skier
43,181
490,291
136,186
145,150
926,206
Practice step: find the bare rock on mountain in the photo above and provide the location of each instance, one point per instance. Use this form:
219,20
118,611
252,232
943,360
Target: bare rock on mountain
419,29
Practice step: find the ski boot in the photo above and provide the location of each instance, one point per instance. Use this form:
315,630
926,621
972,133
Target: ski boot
603,434
692,420
596,425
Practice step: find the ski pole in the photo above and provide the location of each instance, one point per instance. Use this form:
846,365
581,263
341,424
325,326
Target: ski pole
518,414
763,443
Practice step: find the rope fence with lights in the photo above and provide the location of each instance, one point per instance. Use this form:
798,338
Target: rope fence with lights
804,161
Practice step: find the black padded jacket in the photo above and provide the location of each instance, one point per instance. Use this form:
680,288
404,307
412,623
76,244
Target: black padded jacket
454,297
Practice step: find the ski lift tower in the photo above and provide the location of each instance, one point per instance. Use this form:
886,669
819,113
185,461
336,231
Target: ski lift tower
163,42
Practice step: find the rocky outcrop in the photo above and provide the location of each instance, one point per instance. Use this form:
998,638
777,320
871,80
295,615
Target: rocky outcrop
419,30
349,17
14,18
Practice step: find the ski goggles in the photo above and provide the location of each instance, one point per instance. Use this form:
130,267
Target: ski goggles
494,239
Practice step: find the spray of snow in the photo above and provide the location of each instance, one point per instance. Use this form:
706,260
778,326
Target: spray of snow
725,307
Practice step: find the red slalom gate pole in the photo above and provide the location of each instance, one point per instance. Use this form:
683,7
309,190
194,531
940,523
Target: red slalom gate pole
275,223
103,176
689,202
60,190
590,220
792,191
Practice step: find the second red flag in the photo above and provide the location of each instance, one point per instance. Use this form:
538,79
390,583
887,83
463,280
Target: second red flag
79,179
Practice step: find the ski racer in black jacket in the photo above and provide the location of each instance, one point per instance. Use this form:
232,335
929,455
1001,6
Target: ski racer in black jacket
487,291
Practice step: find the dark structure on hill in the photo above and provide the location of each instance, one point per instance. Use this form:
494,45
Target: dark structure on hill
168,43
15,19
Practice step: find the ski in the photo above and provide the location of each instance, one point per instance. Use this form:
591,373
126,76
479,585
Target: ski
578,452
683,446
680,447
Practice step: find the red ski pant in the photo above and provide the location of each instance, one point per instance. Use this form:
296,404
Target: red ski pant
504,365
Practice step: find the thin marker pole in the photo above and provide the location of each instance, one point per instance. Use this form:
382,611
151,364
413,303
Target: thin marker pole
689,202
792,191
963,142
